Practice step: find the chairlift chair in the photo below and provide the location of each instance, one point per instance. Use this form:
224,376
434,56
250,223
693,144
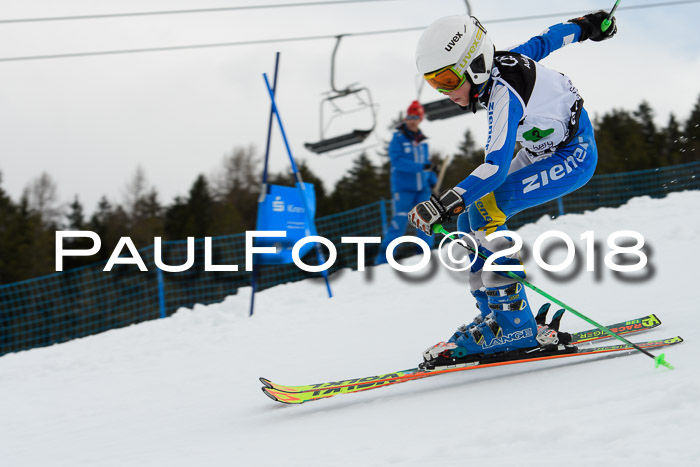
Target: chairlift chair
364,102
442,109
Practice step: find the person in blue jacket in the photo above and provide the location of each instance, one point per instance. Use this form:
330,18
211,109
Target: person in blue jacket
412,177
526,103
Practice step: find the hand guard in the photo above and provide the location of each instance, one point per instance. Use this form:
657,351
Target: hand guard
436,210
590,26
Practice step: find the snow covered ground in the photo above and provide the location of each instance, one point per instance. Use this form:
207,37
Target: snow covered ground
184,391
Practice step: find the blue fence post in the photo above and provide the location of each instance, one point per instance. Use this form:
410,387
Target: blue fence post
382,214
161,293
560,203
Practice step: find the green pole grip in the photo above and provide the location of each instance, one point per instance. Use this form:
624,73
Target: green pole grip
607,22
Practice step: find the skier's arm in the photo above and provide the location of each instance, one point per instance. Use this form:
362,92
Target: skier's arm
553,38
401,156
504,113
575,30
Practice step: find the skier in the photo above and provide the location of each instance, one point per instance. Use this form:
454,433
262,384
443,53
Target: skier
412,177
535,106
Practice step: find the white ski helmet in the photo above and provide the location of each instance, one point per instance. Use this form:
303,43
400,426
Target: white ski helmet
459,42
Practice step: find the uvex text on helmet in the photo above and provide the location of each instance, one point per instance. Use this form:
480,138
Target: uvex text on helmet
459,41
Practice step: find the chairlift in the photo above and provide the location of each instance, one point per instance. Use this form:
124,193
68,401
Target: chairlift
363,102
442,109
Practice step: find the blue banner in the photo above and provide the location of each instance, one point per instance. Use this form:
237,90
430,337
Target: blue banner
283,209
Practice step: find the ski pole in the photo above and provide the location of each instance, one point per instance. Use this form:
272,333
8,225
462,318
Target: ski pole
607,22
660,360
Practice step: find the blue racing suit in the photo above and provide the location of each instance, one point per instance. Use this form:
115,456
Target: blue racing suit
542,110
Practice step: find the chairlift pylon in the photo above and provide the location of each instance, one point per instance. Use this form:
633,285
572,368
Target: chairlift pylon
364,100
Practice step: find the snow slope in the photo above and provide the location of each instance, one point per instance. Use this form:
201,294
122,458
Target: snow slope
184,391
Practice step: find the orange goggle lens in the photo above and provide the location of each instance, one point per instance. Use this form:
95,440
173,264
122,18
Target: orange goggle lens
445,79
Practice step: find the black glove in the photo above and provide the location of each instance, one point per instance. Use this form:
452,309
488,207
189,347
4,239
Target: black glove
431,167
591,26
436,210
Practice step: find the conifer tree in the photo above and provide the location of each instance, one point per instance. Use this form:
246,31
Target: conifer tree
465,160
362,185
692,134
191,217
76,222
8,239
672,143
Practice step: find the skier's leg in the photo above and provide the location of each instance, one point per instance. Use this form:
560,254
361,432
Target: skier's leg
511,317
541,181
508,324
476,285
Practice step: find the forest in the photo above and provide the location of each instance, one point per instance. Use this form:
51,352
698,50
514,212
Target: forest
226,202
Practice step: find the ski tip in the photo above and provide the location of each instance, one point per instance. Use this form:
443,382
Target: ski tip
282,397
266,382
661,361
268,394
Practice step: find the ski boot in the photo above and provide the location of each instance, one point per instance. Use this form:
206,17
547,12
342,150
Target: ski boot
506,331
482,304
443,349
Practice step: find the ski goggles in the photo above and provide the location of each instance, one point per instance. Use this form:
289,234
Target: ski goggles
446,79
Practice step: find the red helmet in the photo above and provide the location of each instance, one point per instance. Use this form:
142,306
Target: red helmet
415,109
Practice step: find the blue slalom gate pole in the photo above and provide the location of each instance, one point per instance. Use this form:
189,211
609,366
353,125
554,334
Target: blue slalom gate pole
263,186
300,183
269,127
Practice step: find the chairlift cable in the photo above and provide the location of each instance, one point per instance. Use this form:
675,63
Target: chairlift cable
188,11
311,38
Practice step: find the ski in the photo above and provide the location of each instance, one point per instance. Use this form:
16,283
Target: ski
644,323
301,394
626,327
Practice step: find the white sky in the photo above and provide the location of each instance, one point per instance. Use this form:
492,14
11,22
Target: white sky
90,122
